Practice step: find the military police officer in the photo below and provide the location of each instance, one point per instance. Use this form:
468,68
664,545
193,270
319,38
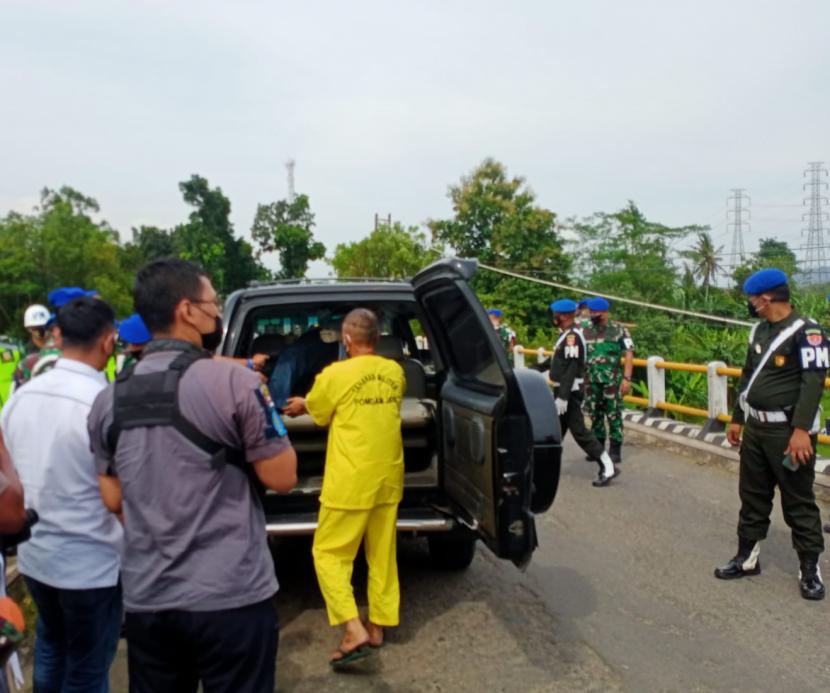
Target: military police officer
608,380
134,336
567,375
780,389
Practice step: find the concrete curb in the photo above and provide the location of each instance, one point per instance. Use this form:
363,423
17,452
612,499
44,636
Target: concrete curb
691,438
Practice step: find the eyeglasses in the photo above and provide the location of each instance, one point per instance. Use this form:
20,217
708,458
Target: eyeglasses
216,302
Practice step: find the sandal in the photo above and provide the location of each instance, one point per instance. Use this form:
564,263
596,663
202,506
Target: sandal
349,656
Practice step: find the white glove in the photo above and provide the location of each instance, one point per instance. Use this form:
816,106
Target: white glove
562,406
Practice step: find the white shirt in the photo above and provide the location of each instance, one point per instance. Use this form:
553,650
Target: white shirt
77,542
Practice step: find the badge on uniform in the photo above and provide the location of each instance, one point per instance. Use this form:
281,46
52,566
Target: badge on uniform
757,348
274,427
780,360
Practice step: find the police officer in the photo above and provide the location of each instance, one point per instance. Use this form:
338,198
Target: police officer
608,381
780,389
567,375
583,315
134,336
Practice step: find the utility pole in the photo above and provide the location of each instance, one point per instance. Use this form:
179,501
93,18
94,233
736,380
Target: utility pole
381,220
815,264
737,218
290,166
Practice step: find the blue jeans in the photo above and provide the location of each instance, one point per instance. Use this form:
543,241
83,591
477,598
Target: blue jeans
76,637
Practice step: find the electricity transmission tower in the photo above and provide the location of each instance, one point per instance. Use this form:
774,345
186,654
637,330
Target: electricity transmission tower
737,218
290,166
815,262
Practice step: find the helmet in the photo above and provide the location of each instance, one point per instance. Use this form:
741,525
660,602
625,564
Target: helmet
35,316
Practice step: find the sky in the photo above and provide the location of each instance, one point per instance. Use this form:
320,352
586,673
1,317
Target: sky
383,105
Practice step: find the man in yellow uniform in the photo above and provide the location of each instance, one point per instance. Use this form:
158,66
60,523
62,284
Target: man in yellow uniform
360,399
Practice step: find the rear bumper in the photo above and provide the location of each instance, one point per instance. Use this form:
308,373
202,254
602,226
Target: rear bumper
415,520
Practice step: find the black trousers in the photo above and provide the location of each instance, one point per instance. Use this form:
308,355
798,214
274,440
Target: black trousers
229,651
574,421
762,450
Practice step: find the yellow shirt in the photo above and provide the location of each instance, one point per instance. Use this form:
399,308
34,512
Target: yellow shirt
361,399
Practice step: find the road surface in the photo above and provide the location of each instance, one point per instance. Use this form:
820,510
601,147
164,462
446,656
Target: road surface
619,596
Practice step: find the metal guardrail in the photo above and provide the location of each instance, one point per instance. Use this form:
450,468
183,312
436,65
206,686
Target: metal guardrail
717,375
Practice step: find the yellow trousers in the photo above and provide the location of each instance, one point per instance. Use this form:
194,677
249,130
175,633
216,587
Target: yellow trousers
336,542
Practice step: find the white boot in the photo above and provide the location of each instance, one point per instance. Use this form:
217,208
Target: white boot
607,471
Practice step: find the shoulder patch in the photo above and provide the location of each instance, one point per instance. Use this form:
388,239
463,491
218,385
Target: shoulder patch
274,426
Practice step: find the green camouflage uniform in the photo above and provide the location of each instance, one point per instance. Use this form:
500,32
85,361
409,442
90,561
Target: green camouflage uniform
506,337
606,345
36,362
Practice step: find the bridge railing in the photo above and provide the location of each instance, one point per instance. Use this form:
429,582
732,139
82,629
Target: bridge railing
717,374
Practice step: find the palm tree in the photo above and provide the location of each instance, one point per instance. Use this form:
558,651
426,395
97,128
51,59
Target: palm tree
705,260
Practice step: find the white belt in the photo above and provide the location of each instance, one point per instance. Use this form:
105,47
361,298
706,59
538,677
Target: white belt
576,385
767,416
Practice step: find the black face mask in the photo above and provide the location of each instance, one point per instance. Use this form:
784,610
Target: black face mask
753,312
211,340
597,320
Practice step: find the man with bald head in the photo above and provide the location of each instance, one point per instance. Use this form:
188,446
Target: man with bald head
360,400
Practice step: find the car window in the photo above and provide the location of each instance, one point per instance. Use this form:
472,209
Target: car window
471,353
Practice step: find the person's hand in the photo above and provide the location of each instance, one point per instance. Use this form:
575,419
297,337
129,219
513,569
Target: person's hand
562,406
800,447
625,387
733,434
295,406
259,361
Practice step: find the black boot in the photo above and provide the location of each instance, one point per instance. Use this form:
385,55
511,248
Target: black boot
744,563
588,458
809,577
615,451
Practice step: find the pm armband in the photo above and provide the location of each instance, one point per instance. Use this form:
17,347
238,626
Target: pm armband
814,350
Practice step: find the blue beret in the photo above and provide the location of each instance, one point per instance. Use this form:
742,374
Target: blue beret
583,302
132,330
494,311
63,295
599,304
563,305
764,280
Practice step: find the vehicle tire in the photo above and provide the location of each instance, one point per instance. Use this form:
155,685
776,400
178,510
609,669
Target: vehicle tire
452,551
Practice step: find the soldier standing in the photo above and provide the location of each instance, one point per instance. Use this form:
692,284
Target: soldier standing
506,336
567,375
781,387
608,381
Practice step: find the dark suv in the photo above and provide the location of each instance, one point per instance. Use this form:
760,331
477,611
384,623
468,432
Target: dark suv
482,444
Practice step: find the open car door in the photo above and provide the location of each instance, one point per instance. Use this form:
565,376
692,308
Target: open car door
487,441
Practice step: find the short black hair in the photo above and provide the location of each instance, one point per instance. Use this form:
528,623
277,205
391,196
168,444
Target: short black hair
83,320
159,287
779,293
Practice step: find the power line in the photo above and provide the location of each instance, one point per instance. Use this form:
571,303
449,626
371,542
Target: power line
620,299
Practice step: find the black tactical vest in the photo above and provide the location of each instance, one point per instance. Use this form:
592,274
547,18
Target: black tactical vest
152,399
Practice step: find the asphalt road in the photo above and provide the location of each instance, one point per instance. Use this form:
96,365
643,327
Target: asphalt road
619,596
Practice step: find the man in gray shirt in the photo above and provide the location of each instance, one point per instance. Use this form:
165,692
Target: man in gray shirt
197,574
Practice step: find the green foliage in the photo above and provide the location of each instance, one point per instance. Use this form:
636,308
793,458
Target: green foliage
389,251
285,227
208,238
59,244
771,253
496,220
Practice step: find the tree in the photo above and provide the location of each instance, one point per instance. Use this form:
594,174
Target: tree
59,244
496,219
208,238
705,260
624,253
285,227
771,253
389,251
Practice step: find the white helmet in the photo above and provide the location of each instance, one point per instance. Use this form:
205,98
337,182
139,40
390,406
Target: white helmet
35,316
